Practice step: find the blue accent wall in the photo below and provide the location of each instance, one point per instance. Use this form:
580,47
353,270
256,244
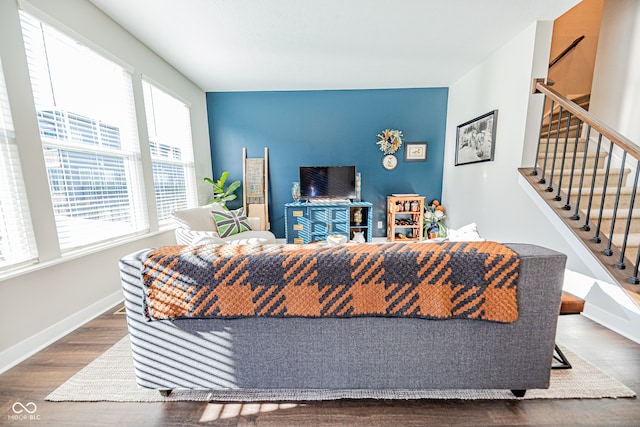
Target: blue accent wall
327,128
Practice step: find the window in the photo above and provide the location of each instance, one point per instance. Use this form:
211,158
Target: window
17,242
169,125
85,110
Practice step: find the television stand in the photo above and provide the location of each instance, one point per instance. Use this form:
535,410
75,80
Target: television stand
307,222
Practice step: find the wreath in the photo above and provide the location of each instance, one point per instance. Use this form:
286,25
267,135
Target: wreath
390,141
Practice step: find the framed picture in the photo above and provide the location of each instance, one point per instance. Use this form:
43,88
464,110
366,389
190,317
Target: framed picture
475,139
415,152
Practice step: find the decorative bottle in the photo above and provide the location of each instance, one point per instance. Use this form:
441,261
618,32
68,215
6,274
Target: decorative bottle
357,216
295,191
432,232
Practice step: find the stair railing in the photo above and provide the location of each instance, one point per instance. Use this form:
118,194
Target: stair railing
565,128
566,51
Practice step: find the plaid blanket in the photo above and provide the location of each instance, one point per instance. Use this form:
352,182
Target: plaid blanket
471,280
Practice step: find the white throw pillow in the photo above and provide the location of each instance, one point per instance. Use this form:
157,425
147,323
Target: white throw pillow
200,218
468,233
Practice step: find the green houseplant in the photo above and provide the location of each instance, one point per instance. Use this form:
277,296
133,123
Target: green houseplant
220,194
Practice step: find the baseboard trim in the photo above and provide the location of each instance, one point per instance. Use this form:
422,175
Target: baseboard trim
27,348
627,329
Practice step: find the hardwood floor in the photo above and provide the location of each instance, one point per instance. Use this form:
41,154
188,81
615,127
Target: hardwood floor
36,377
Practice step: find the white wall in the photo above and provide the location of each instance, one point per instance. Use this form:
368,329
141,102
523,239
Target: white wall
615,94
488,193
44,302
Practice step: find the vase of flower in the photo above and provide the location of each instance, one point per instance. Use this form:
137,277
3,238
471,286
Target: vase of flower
434,221
295,191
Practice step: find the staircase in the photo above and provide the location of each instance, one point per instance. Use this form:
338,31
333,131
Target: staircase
588,174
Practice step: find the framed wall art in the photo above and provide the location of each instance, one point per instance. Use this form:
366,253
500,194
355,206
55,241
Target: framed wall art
475,139
415,152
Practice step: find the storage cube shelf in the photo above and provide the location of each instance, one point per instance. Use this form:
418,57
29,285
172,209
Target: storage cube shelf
312,222
405,217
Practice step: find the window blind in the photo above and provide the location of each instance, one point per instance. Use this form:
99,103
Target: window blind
86,115
171,146
17,241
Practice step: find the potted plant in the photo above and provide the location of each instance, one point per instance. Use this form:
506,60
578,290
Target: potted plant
220,194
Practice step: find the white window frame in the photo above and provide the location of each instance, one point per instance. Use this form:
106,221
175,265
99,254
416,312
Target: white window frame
17,240
93,212
171,147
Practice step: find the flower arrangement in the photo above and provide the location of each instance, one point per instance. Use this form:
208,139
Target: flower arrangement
390,141
434,221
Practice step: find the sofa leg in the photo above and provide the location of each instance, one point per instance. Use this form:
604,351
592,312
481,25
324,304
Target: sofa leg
518,393
558,356
165,393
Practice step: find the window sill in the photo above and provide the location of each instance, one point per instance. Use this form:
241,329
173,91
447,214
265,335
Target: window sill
78,253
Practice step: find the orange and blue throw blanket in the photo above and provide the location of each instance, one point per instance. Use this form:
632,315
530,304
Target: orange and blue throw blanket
468,280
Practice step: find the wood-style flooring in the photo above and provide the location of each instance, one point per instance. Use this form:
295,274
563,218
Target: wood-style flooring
33,379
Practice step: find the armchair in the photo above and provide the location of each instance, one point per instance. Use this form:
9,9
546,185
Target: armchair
197,226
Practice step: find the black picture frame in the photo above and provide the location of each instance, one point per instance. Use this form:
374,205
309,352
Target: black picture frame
476,139
415,151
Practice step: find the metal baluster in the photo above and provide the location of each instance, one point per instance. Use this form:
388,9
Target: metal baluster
620,263
596,237
567,205
634,279
535,162
608,251
546,150
575,215
586,227
564,156
555,152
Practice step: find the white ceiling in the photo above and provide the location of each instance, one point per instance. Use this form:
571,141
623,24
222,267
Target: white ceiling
245,45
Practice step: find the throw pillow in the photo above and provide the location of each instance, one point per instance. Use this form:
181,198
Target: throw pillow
230,223
196,218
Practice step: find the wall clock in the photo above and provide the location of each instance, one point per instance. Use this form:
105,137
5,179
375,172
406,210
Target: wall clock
389,162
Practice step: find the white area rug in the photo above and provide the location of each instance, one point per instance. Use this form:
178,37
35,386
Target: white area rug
111,378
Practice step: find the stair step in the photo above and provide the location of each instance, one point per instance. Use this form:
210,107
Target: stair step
597,192
573,131
609,200
591,158
622,213
621,220
561,143
632,246
572,134
614,175
621,225
554,123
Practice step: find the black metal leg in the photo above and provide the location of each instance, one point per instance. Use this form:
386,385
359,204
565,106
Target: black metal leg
563,363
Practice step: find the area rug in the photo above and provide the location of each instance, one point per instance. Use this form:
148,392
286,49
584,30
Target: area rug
111,378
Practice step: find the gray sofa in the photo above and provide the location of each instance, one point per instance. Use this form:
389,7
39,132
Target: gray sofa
352,353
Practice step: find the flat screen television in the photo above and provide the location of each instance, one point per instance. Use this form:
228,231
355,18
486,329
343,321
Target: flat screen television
334,182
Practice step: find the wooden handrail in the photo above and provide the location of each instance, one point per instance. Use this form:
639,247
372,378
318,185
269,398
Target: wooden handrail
567,50
612,135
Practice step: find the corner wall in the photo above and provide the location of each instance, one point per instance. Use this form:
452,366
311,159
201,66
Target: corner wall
615,95
330,128
488,193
